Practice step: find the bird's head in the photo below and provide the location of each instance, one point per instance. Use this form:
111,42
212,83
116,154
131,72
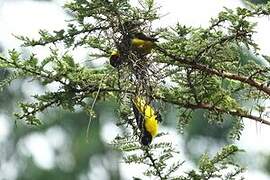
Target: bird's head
146,138
115,59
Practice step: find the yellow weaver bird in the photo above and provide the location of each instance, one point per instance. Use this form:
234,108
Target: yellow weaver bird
143,43
147,120
115,59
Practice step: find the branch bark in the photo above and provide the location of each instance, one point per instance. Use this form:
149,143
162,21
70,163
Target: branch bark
209,107
205,68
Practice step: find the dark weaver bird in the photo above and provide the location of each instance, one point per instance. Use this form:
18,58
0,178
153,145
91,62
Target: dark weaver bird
115,59
147,119
143,43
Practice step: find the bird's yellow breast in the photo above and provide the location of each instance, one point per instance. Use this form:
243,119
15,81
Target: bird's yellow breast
150,117
151,125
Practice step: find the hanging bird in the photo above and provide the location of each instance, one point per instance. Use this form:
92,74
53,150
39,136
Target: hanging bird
147,119
115,59
143,43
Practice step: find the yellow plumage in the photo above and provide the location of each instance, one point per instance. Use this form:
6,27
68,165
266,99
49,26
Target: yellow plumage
114,53
143,43
149,118
137,42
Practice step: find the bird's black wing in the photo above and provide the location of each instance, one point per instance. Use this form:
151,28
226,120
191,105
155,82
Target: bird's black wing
144,37
138,116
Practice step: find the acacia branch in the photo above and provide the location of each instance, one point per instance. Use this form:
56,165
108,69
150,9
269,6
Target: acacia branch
209,107
153,163
41,108
220,41
205,68
69,35
234,113
201,105
191,86
244,79
39,74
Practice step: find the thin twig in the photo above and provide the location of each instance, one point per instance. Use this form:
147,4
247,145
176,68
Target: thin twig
221,73
92,106
207,106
